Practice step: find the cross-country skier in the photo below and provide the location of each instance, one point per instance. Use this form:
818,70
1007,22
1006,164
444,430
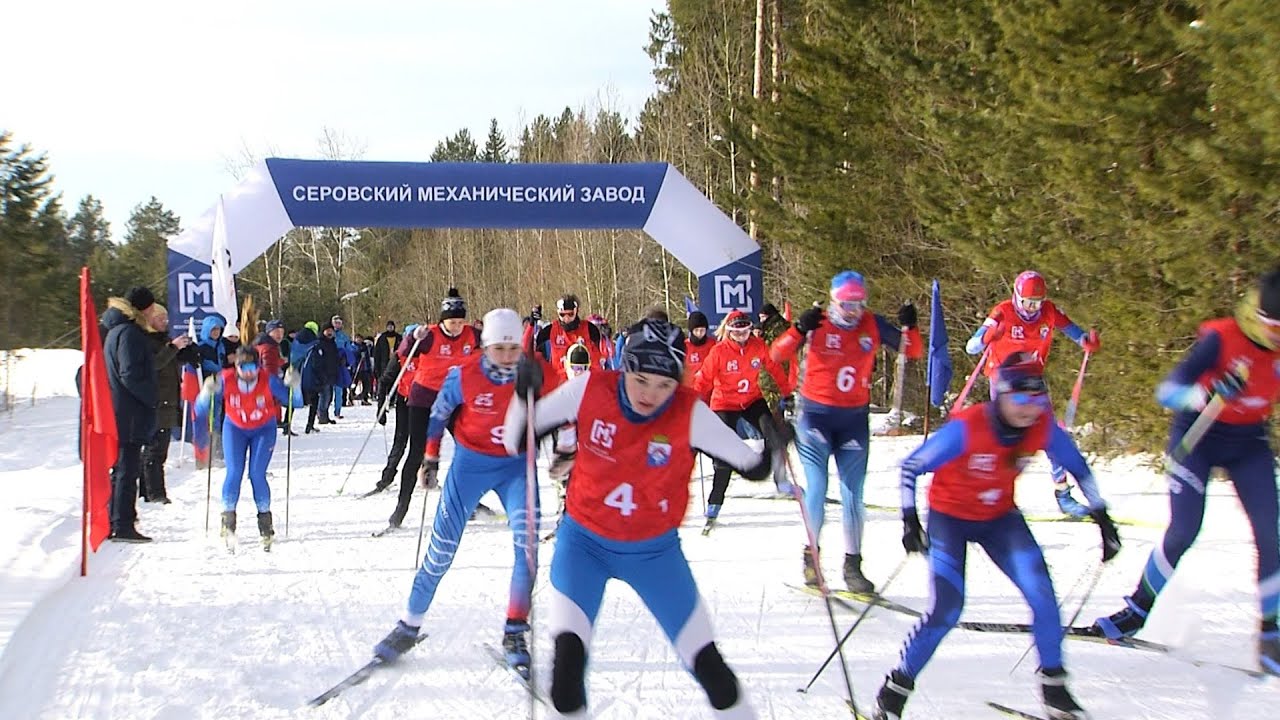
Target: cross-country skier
975,459
1237,361
730,377
249,396
576,362
399,394
554,339
627,497
835,393
479,392
441,347
697,345
1026,323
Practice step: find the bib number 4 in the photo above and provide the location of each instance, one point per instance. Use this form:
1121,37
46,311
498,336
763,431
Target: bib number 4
621,498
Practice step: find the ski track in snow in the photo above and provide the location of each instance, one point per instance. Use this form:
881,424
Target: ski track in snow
181,629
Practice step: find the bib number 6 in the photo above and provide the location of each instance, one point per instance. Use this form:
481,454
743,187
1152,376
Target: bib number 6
846,378
621,498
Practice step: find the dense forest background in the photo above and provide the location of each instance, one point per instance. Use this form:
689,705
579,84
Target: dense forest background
1128,151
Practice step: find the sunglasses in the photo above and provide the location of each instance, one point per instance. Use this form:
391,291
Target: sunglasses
247,367
1029,398
851,306
1030,305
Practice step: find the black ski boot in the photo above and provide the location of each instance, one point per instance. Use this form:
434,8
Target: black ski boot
893,696
810,573
228,531
854,580
266,530
228,524
1058,703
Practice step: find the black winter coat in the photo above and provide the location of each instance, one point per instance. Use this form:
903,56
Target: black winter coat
169,362
131,371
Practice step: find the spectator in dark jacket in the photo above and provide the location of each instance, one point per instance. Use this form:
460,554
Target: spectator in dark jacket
213,348
170,357
131,372
330,364
383,348
304,357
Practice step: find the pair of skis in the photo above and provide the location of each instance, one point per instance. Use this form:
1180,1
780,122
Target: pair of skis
1087,633
519,672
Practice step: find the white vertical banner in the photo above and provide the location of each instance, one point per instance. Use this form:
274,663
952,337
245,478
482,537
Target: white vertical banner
224,281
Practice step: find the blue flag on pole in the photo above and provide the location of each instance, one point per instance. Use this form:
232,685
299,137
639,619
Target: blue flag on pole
689,305
939,361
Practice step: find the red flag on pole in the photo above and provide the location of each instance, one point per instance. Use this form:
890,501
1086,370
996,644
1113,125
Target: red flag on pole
98,437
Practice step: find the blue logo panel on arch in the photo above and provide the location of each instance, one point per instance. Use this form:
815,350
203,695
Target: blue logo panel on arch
735,286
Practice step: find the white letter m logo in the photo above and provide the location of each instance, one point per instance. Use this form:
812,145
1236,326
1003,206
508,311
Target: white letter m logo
195,292
733,292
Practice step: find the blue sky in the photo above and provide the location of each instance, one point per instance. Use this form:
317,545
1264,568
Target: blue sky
136,98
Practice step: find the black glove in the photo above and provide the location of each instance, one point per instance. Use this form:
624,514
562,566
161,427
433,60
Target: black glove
914,539
1110,536
429,473
907,316
809,320
528,377
535,314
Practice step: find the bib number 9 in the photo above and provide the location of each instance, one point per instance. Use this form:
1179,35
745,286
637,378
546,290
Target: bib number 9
846,378
621,498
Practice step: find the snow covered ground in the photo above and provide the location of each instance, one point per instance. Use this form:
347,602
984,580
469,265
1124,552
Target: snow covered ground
180,629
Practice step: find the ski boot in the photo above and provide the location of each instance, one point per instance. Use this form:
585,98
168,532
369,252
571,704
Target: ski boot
1058,703
893,696
402,637
713,514
515,645
1269,651
266,530
1124,624
228,530
810,571
854,580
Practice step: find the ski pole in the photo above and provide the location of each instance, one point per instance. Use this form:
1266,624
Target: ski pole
288,458
822,582
381,412
856,623
208,481
531,527
1095,576
702,483
422,526
969,384
1069,418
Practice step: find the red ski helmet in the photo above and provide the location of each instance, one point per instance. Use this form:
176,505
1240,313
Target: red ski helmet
1029,293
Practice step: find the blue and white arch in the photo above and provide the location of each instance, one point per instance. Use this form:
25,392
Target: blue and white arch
279,194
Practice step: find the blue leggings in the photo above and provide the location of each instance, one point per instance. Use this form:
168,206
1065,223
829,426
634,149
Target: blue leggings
470,476
258,445
1250,463
1009,542
843,432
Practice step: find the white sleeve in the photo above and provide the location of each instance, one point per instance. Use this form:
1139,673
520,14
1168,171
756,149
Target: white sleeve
557,408
708,433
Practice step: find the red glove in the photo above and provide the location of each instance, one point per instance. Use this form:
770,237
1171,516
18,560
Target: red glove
993,333
1090,342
